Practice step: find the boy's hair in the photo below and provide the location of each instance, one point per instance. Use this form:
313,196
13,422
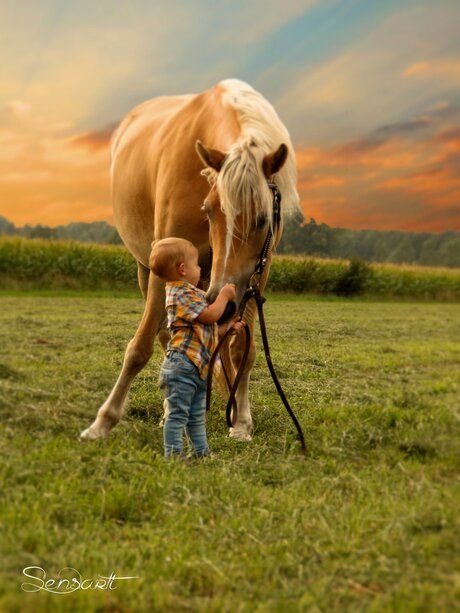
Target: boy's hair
166,254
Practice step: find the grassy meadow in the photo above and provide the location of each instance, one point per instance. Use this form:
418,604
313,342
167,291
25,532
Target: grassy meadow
36,264
368,522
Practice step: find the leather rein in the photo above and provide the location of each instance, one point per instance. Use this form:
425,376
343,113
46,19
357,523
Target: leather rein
253,292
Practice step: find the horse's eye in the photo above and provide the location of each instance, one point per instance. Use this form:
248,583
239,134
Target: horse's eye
261,221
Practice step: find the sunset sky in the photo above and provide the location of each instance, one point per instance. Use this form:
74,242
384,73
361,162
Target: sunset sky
369,90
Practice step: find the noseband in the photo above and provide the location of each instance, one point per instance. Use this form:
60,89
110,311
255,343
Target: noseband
253,291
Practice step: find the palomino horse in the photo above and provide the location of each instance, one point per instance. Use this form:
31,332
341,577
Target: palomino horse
158,190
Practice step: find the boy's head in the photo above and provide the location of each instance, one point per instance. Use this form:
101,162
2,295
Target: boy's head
175,259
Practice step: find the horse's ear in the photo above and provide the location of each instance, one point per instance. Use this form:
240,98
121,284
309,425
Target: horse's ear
273,162
211,157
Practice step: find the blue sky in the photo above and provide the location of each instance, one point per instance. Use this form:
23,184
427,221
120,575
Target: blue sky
337,71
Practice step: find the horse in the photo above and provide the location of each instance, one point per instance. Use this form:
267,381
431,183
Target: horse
198,166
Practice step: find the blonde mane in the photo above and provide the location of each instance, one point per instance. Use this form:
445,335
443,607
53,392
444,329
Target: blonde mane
241,179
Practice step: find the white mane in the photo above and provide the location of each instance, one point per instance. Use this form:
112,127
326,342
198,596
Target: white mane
241,178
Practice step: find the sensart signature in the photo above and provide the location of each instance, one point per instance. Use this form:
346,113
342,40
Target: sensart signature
67,581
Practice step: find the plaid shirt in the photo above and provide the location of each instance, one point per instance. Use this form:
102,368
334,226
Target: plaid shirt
184,303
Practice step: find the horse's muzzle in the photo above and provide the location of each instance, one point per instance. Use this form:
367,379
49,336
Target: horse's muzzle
230,311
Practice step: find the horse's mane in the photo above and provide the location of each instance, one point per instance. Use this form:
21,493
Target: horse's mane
241,178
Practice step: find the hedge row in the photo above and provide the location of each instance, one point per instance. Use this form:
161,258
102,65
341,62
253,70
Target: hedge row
27,263
53,264
347,278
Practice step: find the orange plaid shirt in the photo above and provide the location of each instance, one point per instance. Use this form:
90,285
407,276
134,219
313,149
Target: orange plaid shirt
184,303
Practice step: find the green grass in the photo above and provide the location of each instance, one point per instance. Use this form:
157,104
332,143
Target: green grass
38,264
368,522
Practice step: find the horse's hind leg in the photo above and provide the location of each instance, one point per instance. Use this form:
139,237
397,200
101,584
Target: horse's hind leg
138,353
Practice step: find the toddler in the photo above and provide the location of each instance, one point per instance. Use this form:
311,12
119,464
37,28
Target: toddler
191,322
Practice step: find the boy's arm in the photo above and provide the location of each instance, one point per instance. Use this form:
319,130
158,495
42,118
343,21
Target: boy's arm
214,311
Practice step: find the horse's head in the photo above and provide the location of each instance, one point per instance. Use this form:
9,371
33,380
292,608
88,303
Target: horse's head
239,208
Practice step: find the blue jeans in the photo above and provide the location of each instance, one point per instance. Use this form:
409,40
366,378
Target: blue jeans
185,393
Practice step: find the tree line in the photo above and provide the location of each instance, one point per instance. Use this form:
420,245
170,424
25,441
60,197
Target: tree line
95,232
300,238
396,247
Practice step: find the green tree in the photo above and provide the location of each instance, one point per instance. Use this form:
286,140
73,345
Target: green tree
403,253
6,227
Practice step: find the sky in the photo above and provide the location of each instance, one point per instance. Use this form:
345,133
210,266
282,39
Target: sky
368,89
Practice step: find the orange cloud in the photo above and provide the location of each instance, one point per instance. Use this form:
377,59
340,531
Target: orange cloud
18,109
433,180
451,137
446,68
51,179
319,181
417,68
99,139
393,183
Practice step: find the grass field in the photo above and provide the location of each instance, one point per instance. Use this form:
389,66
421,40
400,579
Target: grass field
37,264
368,522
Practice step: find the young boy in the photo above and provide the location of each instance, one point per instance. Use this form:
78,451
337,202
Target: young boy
191,322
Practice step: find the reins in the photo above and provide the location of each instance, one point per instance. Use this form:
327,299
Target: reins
253,292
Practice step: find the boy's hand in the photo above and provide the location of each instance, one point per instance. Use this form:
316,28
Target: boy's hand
236,325
214,311
229,291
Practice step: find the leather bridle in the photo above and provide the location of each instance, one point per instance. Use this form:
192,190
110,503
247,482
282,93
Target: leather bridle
253,291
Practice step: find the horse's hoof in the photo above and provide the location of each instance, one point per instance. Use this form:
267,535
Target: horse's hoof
93,432
240,434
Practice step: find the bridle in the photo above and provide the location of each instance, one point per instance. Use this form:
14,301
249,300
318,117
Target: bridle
253,291
276,220
256,276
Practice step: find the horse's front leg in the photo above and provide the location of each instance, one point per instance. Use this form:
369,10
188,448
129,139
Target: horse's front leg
137,354
242,430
